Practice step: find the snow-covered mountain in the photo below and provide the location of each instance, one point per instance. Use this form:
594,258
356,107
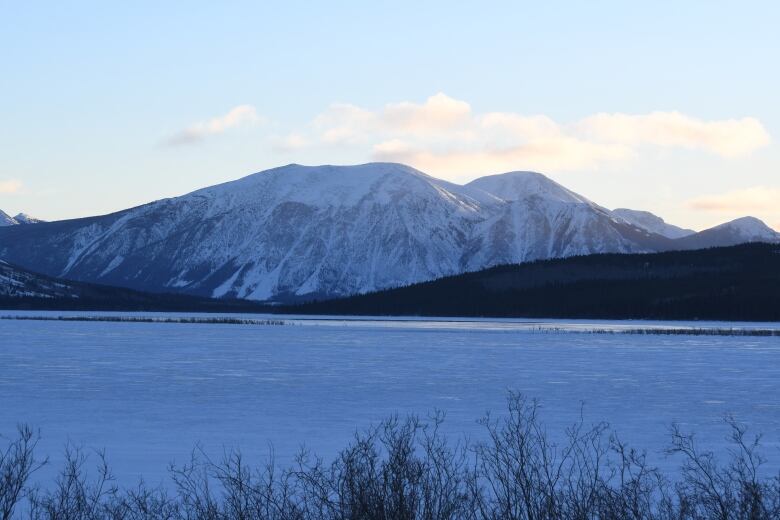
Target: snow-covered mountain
537,218
21,218
299,232
24,218
6,219
651,223
739,231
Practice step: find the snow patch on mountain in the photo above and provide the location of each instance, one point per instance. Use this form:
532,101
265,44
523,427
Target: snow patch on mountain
116,262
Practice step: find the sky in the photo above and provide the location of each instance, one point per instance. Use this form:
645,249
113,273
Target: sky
669,107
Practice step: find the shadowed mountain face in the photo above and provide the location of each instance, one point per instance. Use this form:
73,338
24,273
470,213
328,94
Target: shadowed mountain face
23,289
20,283
301,232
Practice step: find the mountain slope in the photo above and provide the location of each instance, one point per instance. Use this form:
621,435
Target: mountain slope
291,230
299,232
651,223
6,220
735,283
538,218
23,289
19,283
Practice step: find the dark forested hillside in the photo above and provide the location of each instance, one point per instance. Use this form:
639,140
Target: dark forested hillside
729,283
23,289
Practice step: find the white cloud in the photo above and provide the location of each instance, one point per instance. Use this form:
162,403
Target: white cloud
242,115
342,123
10,186
440,116
290,143
500,125
550,154
759,201
728,138
755,199
439,113
444,136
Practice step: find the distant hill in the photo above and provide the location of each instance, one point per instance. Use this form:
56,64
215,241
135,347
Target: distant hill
21,218
24,218
23,289
729,283
739,231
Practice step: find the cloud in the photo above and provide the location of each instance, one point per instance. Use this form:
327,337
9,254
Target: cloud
439,116
343,124
551,154
439,113
755,199
445,136
10,186
759,201
242,115
728,138
290,143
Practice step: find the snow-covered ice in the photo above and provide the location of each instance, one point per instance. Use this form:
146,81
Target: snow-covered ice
148,392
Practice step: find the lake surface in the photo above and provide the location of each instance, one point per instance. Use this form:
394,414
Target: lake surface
149,392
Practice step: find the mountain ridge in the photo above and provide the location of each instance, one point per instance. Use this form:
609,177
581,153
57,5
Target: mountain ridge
18,219
651,222
297,232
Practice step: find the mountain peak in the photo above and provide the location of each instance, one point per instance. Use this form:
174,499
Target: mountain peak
333,186
738,231
6,220
21,218
24,218
518,185
749,228
372,168
329,174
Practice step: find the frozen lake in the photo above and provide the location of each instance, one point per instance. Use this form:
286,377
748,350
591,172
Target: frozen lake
148,392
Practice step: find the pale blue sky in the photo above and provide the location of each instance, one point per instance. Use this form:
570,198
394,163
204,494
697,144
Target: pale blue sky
105,105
